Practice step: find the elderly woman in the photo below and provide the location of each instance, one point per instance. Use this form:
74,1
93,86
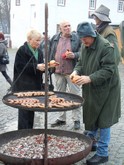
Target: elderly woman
3,51
28,69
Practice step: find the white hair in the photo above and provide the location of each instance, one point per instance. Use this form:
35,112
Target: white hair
33,34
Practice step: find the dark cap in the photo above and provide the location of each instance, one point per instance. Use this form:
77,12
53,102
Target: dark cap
85,29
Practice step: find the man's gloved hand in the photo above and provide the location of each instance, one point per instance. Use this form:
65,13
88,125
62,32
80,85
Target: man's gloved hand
41,67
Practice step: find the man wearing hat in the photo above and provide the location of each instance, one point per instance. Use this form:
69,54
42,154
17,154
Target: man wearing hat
101,17
100,82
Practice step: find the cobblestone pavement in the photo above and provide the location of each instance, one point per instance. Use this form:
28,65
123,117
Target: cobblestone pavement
8,120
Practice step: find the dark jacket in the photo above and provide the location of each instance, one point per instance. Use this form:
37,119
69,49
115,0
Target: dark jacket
3,51
75,46
26,75
102,106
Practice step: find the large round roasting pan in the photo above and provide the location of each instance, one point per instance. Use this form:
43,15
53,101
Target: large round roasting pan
66,96
67,160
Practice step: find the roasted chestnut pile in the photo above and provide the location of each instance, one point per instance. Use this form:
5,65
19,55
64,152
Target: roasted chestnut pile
33,146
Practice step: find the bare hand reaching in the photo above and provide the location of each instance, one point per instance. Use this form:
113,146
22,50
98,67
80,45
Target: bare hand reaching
41,67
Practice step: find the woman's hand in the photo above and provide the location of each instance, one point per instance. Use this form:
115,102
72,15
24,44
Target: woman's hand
41,67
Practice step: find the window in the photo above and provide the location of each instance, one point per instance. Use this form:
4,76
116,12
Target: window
92,4
90,13
32,15
121,6
17,2
61,2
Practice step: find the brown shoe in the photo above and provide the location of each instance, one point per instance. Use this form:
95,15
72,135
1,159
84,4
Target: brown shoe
58,123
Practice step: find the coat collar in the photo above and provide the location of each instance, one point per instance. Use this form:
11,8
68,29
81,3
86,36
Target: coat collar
57,36
93,46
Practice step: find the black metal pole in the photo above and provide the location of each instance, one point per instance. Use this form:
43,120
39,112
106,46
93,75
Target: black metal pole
46,86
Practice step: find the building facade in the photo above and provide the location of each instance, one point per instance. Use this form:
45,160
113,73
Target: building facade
27,14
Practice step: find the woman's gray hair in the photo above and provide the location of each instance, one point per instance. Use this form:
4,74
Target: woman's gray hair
33,34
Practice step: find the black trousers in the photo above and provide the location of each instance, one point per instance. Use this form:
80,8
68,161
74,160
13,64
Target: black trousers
25,119
4,73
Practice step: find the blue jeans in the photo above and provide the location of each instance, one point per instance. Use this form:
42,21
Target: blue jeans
102,142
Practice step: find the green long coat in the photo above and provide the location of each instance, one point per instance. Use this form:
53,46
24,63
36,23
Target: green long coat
102,96
109,34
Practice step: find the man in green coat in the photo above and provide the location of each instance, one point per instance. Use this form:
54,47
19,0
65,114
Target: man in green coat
101,17
100,81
